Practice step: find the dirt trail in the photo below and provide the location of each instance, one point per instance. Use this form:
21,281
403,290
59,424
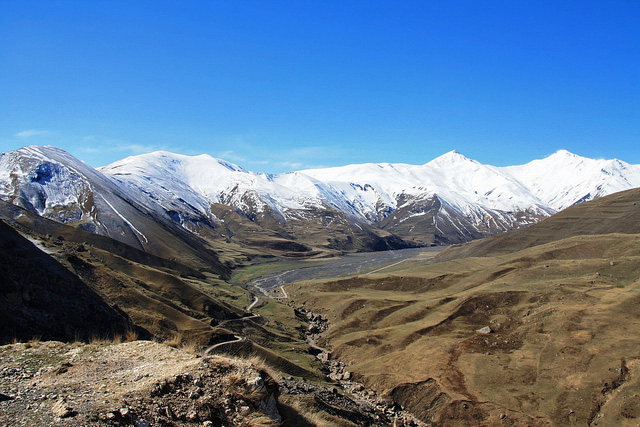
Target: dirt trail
253,303
209,349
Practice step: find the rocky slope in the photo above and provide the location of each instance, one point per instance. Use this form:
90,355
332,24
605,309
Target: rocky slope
144,383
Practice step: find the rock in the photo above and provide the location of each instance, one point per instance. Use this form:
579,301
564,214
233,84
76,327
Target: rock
270,407
124,411
346,376
256,383
323,357
485,330
61,409
169,413
333,376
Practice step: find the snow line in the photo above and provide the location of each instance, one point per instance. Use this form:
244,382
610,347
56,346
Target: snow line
124,219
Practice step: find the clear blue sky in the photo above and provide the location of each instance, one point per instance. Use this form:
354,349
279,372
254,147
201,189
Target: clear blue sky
277,85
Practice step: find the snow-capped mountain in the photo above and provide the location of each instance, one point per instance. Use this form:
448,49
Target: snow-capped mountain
565,179
174,180
447,200
52,183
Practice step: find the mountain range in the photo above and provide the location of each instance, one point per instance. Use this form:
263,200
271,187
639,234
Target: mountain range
529,327
154,200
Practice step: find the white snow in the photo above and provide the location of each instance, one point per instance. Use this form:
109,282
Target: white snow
482,193
165,182
124,219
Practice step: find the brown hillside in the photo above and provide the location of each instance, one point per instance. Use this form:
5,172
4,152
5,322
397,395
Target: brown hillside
616,213
562,347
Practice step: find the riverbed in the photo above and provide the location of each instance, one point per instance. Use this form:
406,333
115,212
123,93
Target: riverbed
346,265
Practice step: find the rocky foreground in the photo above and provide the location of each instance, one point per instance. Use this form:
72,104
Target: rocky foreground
145,383
135,383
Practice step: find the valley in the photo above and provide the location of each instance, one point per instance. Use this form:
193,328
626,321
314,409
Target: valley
362,318
541,334
290,271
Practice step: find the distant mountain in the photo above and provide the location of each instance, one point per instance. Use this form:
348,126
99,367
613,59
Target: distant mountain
450,199
615,213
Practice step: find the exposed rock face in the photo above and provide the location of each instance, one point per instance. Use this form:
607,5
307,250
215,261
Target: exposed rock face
485,330
423,399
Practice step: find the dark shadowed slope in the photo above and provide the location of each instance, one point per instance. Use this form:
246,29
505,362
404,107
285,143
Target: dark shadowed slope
40,298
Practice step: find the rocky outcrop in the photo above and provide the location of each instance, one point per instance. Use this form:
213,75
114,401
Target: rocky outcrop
359,404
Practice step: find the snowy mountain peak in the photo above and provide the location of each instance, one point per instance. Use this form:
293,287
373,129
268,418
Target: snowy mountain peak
564,153
450,158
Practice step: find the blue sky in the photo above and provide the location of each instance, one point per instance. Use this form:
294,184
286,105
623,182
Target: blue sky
276,86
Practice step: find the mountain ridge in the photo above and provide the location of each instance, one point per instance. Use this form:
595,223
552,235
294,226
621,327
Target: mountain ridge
450,199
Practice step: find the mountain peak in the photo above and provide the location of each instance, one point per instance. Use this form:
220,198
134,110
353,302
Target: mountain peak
562,153
453,156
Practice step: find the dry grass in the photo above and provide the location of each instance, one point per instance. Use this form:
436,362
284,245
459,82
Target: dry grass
299,413
259,420
102,340
131,335
259,363
189,344
32,342
192,346
562,313
175,340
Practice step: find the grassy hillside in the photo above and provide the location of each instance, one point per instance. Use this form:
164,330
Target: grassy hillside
562,305
40,298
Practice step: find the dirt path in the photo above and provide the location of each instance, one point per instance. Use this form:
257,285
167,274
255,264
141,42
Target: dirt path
387,266
253,304
208,351
251,316
284,293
